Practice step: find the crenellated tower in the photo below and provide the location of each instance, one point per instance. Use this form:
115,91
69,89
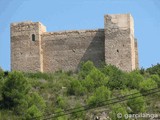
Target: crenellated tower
26,52
120,42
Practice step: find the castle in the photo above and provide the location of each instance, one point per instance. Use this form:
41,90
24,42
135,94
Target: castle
33,49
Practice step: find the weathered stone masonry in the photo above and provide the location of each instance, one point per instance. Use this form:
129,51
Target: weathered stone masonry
33,49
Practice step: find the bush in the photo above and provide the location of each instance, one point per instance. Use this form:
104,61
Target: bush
156,78
8,115
155,69
1,80
147,84
32,113
99,97
40,75
17,96
134,79
76,88
109,69
85,69
35,99
92,89
61,102
60,115
118,112
136,102
94,79
88,83
79,113
1,73
98,78
117,78
15,90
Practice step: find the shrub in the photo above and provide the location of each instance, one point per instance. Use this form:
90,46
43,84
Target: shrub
76,88
32,113
136,101
1,73
147,84
61,102
156,78
35,99
134,79
85,69
109,69
39,75
1,80
155,69
98,78
21,108
118,112
15,90
8,115
142,71
117,78
79,113
16,96
60,115
99,97
88,83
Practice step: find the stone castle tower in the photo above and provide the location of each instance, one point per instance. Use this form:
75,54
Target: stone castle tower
33,49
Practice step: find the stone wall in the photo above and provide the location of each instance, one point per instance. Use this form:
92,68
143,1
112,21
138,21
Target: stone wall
66,50
136,55
119,41
33,49
26,54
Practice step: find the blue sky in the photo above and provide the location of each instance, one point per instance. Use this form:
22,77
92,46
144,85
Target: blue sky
58,15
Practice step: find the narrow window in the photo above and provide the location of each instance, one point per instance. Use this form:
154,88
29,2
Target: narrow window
33,37
117,51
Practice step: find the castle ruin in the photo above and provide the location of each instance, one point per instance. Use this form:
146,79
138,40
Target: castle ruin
33,49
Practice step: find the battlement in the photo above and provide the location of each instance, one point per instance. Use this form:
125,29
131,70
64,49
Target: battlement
74,32
34,49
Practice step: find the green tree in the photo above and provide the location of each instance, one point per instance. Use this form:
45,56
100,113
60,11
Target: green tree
85,69
34,98
155,69
156,78
136,102
15,90
101,94
61,102
18,97
147,84
109,69
88,83
1,80
1,73
117,78
76,88
98,78
33,112
94,80
134,79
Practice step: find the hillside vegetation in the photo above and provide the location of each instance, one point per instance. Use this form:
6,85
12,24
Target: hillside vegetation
92,92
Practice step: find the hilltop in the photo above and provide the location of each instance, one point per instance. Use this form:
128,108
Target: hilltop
92,92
